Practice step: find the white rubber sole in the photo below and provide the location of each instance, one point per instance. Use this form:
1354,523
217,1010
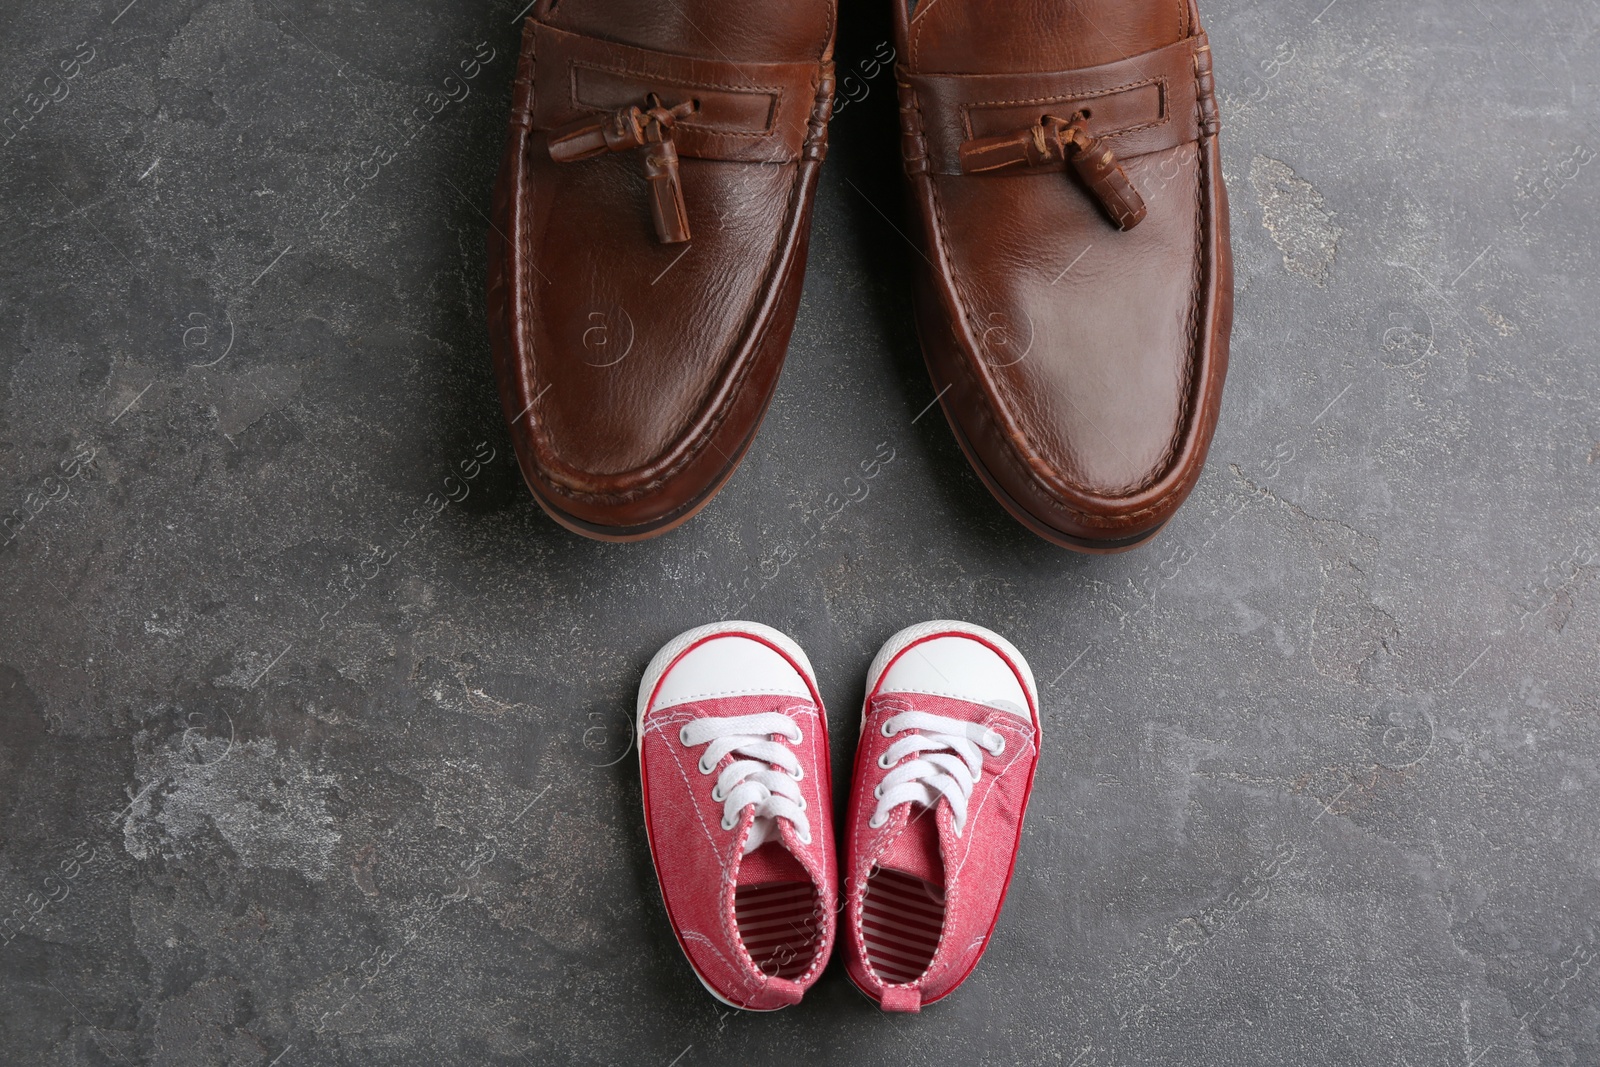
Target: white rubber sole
913,634
659,664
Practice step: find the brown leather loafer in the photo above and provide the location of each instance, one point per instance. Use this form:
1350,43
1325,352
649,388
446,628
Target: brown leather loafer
649,241
1076,289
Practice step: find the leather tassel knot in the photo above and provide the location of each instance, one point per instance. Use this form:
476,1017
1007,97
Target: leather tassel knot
631,127
1053,140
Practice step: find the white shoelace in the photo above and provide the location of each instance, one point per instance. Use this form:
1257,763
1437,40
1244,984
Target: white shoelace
751,779
949,763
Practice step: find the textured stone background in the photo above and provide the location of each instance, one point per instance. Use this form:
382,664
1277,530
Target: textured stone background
295,769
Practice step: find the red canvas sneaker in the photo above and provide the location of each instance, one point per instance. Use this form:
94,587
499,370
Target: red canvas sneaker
949,743
733,753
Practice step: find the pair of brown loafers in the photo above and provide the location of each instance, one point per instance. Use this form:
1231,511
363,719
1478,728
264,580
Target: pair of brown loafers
1074,283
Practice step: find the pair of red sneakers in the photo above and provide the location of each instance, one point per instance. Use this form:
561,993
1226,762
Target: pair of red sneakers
733,750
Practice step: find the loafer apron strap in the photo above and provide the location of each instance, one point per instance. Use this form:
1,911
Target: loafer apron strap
591,97
1148,103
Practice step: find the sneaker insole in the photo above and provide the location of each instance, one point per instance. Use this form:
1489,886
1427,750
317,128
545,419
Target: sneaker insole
774,908
903,908
902,918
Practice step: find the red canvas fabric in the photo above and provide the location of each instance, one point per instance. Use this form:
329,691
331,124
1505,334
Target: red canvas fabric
898,860
787,894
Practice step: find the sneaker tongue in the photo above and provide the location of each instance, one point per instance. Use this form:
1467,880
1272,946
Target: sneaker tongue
915,850
771,863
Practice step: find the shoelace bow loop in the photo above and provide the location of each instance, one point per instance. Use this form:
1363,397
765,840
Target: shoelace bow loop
751,778
633,127
949,761
1053,140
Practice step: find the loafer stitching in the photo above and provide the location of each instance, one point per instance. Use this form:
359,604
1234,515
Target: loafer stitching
688,450
1032,463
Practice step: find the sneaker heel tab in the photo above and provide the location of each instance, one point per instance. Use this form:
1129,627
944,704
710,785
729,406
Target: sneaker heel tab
901,998
782,993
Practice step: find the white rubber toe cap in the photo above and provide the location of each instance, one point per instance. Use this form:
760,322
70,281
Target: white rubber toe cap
727,659
957,660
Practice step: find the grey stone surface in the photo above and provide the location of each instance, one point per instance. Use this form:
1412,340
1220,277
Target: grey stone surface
295,769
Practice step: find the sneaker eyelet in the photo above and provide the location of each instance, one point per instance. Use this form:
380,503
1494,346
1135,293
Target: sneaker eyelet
877,792
799,737
704,769
999,747
885,762
802,803
717,794
726,825
875,823
884,729
805,838
798,774
683,736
